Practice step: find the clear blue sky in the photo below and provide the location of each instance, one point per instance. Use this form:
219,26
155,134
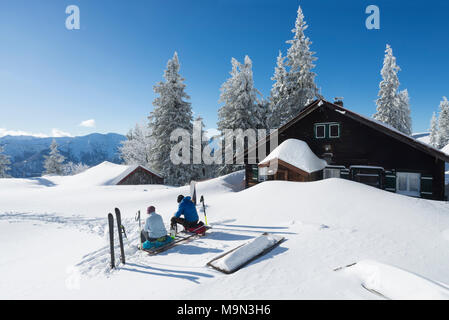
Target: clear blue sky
51,77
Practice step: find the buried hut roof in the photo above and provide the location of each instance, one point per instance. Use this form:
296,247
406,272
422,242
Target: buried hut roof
298,154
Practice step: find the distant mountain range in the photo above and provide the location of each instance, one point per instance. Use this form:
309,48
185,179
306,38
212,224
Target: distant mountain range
27,153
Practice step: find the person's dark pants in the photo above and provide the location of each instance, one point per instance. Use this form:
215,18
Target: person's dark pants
186,224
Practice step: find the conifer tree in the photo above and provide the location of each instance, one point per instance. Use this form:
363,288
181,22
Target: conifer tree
137,148
171,112
54,161
241,110
443,124
4,164
404,119
434,131
278,94
392,106
300,80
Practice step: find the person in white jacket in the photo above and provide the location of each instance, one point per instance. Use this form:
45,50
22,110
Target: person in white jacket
154,229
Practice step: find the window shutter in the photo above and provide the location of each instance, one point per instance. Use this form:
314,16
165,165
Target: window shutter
390,181
426,186
255,175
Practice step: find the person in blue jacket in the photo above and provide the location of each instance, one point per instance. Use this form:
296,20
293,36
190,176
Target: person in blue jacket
187,209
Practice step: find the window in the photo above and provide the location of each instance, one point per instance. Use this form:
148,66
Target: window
263,173
408,183
320,131
331,173
334,130
327,130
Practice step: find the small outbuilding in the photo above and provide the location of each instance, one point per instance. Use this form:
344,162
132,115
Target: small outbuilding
136,174
292,160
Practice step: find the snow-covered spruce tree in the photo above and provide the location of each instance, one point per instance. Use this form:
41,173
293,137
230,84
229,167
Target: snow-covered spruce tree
434,131
54,161
71,168
443,124
171,112
137,148
241,109
278,95
392,106
4,164
404,118
201,171
301,88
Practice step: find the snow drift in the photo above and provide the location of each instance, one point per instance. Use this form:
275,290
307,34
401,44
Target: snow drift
395,283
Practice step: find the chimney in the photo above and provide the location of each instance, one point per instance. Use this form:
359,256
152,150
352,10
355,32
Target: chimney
338,101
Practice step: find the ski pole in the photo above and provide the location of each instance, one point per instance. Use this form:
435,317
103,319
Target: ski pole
204,209
140,229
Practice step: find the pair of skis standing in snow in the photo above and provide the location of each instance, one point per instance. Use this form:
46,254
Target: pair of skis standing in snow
154,234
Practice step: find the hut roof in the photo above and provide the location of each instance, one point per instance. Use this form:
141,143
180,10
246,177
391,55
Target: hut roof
129,170
298,154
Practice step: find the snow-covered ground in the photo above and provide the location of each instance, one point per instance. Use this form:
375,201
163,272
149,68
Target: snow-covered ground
54,241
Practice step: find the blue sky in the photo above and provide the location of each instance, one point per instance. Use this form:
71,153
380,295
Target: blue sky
52,78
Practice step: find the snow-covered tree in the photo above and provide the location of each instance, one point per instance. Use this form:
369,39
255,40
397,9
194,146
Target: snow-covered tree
434,131
443,124
404,118
54,161
4,164
137,148
241,109
301,88
171,112
278,94
201,170
71,168
263,107
392,106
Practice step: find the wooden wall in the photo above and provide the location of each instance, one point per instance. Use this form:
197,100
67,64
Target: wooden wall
140,176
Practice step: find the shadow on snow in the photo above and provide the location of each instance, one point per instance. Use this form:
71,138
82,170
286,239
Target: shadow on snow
180,274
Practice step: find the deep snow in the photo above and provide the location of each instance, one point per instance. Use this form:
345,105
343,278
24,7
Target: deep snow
297,153
57,227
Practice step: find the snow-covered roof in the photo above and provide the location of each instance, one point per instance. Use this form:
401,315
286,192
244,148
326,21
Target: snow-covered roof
104,174
298,154
445,149
129,169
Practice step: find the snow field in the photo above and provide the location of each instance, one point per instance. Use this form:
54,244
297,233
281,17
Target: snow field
59,231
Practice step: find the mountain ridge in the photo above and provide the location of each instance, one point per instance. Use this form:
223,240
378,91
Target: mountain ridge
27,152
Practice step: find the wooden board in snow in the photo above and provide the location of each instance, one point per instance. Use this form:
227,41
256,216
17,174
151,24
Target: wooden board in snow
240,256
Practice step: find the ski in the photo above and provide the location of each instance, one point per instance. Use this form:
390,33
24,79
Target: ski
111,238
120,229
178,240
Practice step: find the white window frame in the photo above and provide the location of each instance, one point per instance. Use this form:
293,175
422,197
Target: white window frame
316,131
330,131
408,176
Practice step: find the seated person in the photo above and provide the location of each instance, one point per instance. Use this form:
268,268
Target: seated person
187,209
154,233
